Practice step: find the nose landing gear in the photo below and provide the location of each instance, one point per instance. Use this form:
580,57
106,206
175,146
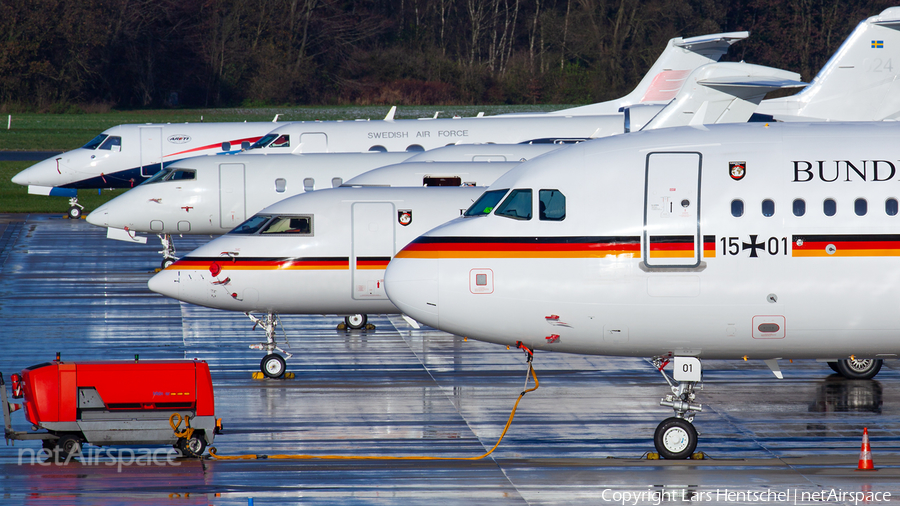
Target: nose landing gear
676,437
272,365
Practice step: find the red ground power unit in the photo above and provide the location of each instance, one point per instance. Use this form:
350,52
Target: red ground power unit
116,403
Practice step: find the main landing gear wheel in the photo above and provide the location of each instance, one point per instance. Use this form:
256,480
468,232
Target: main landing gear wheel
356,321
272,365
833,366
75,213
858,368
675,438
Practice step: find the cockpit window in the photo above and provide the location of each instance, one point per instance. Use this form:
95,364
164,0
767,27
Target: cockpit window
517,206
552,205
485,203
283,141
252,225
96,141
113,143
295,225
264,141
172,174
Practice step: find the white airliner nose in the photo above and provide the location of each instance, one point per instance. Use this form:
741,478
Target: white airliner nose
99,216
166,283
412,285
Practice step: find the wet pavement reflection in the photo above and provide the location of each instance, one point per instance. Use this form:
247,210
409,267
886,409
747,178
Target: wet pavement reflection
398,391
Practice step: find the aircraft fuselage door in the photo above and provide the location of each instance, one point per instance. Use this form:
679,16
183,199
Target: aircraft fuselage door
672,210
232,206
151,150
373,247
313,143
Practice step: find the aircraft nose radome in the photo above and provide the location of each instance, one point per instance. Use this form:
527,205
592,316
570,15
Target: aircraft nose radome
21,178
412,285
164,283
99,217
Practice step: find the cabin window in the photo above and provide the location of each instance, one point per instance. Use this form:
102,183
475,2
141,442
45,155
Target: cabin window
283,141
309,184
252,225
280,185
890,207
96,141
829,207
768,208
799,207
551,205
289,225
485,203
860,207
517,205
737,208
414,148
378,149
112,143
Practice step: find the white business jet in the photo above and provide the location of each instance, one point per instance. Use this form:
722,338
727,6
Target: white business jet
212,195
317,252
125,155
745,241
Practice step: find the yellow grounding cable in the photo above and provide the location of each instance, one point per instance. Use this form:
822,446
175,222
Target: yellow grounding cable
214,455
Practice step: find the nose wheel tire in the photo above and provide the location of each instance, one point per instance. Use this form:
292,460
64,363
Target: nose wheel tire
859,368
75,213
675,438
272,365
167,262
356,321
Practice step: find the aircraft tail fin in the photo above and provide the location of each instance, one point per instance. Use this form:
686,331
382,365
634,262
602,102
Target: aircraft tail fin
861,81
665,78
722,93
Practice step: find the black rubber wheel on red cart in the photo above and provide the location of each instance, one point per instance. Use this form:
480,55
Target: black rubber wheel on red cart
192,447
273,366
69,445
356,321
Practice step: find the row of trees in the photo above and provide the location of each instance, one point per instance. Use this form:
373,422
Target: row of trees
209,53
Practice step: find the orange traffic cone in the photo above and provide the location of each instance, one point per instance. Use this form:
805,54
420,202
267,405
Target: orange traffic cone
865,453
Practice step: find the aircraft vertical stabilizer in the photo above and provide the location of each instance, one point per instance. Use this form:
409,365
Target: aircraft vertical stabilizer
665,78
722,93
859,83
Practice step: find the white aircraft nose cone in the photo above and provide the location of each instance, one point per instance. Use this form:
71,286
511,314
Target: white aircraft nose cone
165,283
21,178
99,217
40,174
412,285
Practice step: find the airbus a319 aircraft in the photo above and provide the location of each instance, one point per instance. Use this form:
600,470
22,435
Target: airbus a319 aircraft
321,252
746,241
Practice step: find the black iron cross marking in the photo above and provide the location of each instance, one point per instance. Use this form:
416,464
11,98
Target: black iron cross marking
753,246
